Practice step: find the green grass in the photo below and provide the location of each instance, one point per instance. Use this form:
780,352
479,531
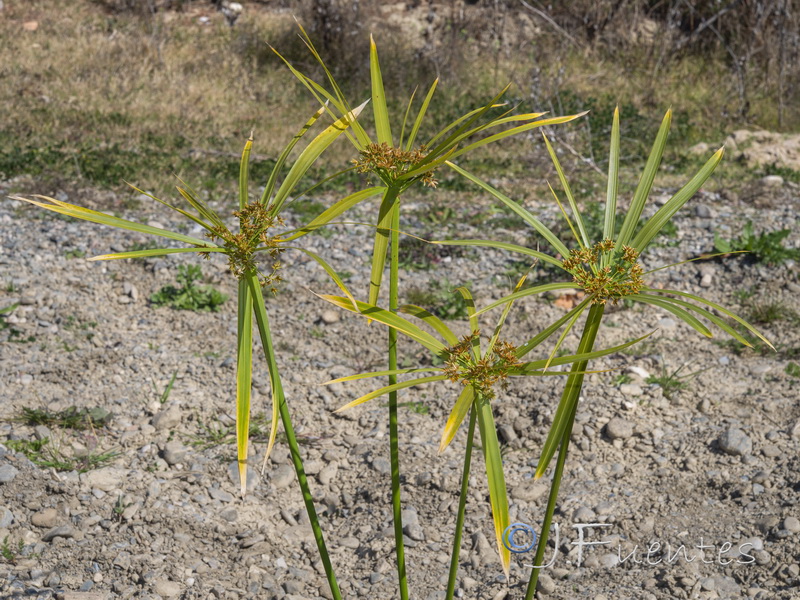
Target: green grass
441,299
69,418
793,369
189,296
43,454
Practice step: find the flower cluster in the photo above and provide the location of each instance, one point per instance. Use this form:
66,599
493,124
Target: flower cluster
611,275
255,221
484,373
390,163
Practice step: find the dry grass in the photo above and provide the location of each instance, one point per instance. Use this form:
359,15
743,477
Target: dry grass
98,96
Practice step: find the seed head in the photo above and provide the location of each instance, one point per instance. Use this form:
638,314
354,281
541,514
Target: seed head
390,163
484,373
622,275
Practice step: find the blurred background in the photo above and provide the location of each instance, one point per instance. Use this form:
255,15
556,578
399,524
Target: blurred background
98,92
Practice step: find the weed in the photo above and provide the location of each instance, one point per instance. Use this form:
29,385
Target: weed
767,247
418,255
317,333
189,296
441,299
75,253
69,418
48,456
168,389
10,552
672,382
622,379
793,369
771,311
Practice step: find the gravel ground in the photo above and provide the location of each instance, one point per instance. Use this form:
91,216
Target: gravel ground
694,495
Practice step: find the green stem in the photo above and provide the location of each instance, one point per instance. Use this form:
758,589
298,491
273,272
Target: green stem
462,503
572,391
394,443
278,396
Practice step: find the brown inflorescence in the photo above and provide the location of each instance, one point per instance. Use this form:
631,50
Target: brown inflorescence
484,373
390,163
621,276
255,221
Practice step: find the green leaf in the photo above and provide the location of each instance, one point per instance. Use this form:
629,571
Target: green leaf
389,204
388,318
405,117
421,115
498,495
310,154
456,417
331,273
645,182
332,212
718,307
613,180
652,227
503,246
432,320
546,287
381,112
262,322
273,176
557,245
679,312
244,378
371,374
152,252
570,198
390,388
244,167
473,319
93,216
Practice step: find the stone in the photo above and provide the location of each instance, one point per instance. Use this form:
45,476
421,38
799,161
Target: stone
174,452
167,419
6,518
7,473
45,518
282,477
328,474
106,479
64,531
735,442
619,429
792,524
329,317
166,588
529,492
545,585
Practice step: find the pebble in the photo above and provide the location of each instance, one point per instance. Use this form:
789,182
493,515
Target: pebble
631,389
735,442
6,518
619,429
174,453
583,514
64,531
45,518
282,477
7,473
545,585
168,418
166,588
529,492
329,317
792,524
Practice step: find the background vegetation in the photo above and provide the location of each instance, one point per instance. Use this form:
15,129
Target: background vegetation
102,91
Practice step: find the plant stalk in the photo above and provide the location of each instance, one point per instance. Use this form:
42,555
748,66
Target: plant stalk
297,460
572,391
394,442
462,503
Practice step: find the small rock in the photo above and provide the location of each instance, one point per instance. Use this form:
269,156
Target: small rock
736,442
527,492
45,518
106,479
6,518
792,524
772,181
545,585
221,495
166,588
703,211
7,473
583,514
631,389
350,542
708,584
328,474
282,476
64,531
619,429
329,317
174,453
167,419
609,560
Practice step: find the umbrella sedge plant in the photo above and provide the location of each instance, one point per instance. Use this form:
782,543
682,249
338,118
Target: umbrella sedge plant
253,254
480,368
606,270
399,163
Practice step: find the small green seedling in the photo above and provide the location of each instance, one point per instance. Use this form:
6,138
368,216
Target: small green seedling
767,247
189,296
672,382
